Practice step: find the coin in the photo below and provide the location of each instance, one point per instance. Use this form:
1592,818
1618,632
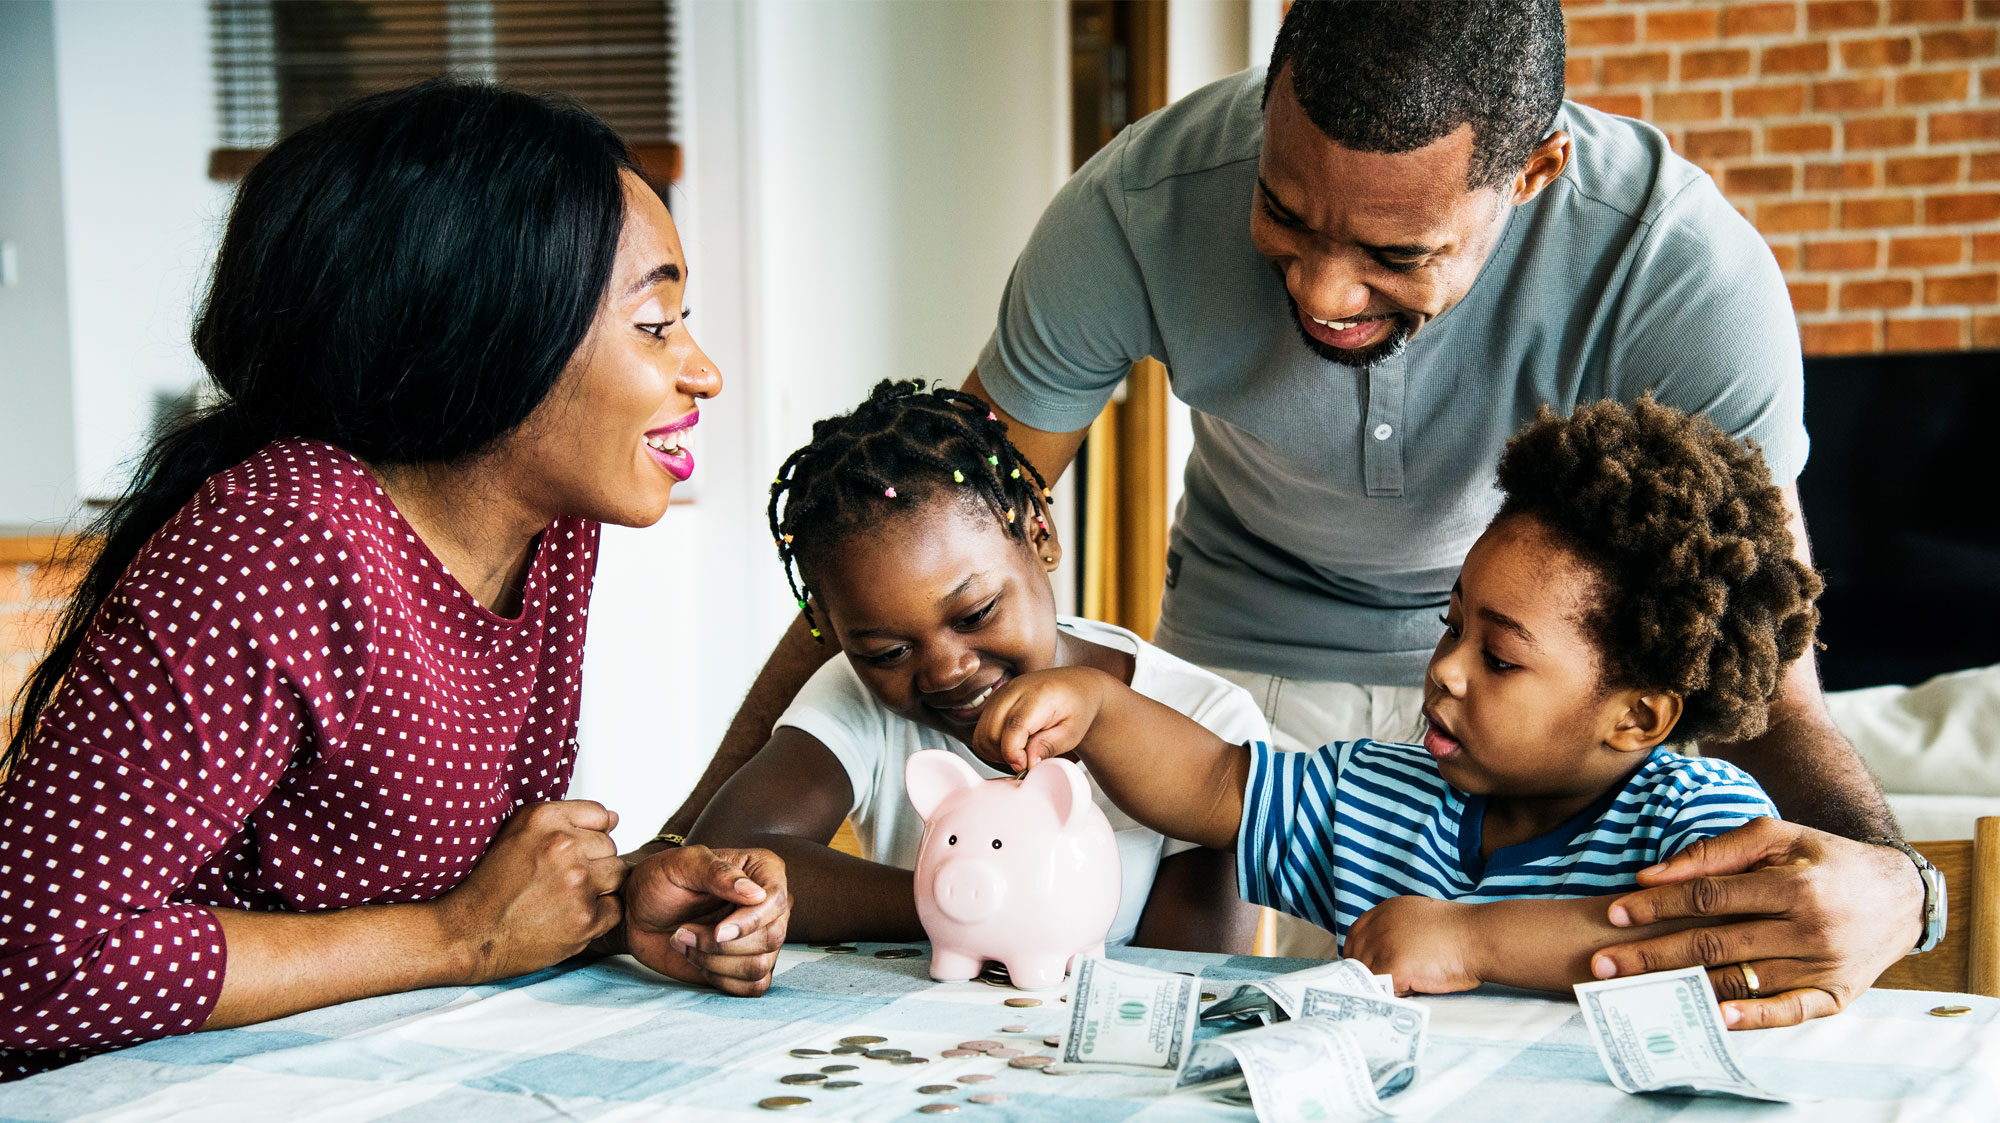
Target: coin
886,1054
838,949
1208,996
850,1050
979,1046
1950,1011
1013,1029
831,1069
803,1078
1023,1003
1002,1053
976,1078
909,1060
989,1098
996,982
809,1052
782,1103
862,1039
1054,1041
1061,1070
898,953
841,1085
960,1053
937,1089
1030,1062
938,1108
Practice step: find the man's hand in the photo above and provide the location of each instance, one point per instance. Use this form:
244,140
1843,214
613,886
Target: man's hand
1423,944
1818,918
714,917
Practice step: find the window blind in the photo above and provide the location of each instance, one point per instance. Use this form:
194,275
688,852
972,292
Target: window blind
280,64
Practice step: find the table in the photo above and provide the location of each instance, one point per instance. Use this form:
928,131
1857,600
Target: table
610,1040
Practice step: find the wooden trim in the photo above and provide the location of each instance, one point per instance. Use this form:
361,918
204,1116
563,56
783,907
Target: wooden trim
230,165
30,549
659,164
1142,498
1968,959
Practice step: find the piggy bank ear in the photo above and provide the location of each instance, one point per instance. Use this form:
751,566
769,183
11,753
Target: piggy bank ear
933,774
1061,783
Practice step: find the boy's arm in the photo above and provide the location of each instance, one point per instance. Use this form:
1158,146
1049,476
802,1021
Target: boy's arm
1436,947
790,798
1160,765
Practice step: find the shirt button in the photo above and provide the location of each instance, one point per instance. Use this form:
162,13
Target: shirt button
1382,431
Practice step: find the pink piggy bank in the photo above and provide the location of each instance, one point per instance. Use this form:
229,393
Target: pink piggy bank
1021,871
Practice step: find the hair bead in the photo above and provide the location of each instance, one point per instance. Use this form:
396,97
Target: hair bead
957,476
889,492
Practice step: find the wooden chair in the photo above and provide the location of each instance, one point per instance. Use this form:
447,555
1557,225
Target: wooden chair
1968,961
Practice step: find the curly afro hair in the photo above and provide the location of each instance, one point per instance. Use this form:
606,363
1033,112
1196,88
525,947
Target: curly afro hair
1701,594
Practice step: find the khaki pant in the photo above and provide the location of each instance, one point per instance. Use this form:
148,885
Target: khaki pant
1305,715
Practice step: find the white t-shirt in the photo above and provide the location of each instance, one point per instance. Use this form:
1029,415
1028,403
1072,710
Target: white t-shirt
873,744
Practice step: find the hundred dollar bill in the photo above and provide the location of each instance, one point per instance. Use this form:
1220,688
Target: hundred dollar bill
1390,1031
1662,1032
1126,1018
1277,998
1307,1070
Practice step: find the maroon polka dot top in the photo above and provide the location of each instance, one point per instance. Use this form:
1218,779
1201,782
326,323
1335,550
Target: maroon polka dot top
286,704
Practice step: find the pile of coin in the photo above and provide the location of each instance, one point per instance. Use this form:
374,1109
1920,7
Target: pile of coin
868,1046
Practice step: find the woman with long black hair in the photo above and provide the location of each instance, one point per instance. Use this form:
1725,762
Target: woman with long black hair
307,722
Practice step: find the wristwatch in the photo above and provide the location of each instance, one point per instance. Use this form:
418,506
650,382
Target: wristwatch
672,839
1934,902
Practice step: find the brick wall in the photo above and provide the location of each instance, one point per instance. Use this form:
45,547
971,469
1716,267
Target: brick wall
32,592
1861,136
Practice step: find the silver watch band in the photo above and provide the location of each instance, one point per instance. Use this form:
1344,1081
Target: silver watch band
1935,905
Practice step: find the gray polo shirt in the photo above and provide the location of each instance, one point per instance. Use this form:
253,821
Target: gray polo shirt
1328,509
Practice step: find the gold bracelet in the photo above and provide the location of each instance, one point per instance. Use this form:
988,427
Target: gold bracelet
670,838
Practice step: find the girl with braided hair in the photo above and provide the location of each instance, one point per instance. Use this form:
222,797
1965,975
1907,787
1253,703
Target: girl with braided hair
1637,583
918,540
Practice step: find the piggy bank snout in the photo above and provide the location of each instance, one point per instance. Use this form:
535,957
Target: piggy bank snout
969,891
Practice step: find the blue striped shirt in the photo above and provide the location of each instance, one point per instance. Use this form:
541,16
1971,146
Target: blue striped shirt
1329,834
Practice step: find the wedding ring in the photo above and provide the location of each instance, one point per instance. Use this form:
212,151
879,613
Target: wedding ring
1750,979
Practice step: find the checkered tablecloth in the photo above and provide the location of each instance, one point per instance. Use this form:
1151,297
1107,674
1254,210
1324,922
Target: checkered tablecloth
609,1040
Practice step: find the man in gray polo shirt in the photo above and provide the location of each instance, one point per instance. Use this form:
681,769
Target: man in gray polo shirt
1363,277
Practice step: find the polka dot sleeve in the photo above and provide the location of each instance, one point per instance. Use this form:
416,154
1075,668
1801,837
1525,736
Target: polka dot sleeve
214,669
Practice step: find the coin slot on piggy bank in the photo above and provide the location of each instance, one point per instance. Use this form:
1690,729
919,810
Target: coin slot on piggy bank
1023,871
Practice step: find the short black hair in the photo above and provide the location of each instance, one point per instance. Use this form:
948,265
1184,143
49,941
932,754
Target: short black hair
1701,594
898,452
1381,77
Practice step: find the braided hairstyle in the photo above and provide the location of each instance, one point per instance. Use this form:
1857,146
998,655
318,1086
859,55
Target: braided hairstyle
1701,593
897,452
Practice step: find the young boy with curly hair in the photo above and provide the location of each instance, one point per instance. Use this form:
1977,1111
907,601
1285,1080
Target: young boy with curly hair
1638,582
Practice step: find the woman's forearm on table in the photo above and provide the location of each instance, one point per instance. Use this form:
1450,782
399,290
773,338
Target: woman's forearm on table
282,963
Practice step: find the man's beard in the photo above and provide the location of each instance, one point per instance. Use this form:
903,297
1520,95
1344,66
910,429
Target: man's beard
1399,335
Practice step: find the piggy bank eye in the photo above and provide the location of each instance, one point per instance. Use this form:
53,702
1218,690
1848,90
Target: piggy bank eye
952,841
996,844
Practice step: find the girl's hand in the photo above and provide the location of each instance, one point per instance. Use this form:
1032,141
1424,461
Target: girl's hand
1426,946
546,887
713,917
1037,716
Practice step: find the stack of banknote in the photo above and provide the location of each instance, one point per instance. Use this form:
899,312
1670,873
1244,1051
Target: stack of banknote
1329,1043
1334,1043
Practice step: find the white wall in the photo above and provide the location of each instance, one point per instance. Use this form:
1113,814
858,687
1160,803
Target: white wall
37,435
860,177
137,106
